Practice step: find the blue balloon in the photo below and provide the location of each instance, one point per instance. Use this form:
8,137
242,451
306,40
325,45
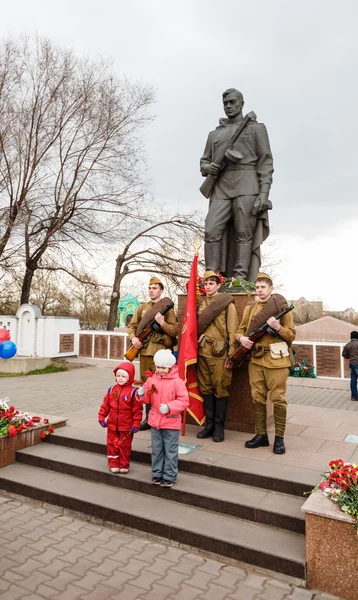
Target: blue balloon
7,349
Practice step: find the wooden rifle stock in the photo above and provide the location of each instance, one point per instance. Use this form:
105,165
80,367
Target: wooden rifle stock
208,186
132,352
237,358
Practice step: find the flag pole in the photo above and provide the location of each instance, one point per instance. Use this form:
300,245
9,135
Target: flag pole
196,245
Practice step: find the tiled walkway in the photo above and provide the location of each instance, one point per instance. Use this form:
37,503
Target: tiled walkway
46,553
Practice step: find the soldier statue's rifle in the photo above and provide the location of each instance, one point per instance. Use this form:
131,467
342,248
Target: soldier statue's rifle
152,326
227,152
237,358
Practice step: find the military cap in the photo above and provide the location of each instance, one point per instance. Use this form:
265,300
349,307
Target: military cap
155,280
208,274
264,276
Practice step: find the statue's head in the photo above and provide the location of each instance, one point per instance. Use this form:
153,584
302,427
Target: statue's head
233,102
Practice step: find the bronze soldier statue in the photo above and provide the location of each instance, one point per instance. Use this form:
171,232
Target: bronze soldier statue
237,221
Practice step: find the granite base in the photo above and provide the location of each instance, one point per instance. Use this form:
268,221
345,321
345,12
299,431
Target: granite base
30,437
331,548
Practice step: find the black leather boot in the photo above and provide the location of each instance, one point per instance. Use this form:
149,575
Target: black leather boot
220,417
209,405
279,445
144,424
257,441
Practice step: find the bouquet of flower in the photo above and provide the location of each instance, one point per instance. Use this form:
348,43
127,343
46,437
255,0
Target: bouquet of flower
302,369
231,284
228,284
13,422
340,484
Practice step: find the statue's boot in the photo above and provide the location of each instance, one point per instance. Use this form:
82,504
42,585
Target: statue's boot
242,261
212,256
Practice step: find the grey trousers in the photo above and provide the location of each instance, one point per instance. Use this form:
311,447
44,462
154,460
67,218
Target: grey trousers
165,446
221,211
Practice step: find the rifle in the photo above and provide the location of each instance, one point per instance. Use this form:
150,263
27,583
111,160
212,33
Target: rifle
237,358
152,326
207,187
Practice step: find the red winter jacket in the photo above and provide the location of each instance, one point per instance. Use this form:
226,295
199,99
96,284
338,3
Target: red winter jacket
121,405
170,390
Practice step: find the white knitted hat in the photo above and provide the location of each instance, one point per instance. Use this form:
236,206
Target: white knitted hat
164,358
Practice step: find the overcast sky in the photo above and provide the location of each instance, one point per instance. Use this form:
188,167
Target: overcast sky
296,64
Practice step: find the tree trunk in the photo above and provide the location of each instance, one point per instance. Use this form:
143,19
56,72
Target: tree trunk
116,293
26,285
113,313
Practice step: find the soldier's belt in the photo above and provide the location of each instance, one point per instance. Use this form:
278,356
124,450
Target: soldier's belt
239,167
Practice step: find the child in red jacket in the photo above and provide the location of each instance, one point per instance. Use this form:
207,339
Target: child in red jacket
124,413
168,396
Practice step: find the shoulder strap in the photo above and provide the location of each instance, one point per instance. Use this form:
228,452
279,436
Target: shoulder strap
220,303
151,312
274,305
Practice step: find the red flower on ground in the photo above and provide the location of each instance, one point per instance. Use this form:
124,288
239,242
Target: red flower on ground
36,419
46,421
51,430
42,435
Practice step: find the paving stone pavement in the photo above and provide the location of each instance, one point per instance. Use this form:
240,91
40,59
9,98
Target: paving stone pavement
47,553
80,388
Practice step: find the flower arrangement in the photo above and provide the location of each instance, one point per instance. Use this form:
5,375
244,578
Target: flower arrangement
302,369
340,484
228,284
13,422
231,284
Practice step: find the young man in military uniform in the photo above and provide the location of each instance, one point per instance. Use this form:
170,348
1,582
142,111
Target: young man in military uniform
269,365
156,340
217,325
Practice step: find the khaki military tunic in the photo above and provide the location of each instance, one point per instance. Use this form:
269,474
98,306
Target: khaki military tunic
213,378
268,375
154,341
287,333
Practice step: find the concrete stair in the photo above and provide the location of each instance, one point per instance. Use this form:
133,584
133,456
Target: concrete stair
237,508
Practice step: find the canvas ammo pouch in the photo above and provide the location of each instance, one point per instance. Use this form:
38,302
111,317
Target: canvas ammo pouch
279,350
218,348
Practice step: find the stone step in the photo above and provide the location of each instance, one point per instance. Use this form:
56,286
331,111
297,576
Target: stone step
237,469
246,502
253,543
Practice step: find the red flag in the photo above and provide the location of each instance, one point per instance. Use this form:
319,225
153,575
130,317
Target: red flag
188,351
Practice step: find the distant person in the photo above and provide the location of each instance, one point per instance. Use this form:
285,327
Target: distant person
168,396
156,340
350,351
124,413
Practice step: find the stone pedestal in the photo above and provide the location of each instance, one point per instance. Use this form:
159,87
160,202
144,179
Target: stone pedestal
240,416
331,548
9,446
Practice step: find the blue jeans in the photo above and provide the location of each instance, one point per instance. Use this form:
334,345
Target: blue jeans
354,378
165,446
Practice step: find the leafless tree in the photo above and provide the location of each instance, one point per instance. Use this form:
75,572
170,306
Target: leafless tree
162,247
70,153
